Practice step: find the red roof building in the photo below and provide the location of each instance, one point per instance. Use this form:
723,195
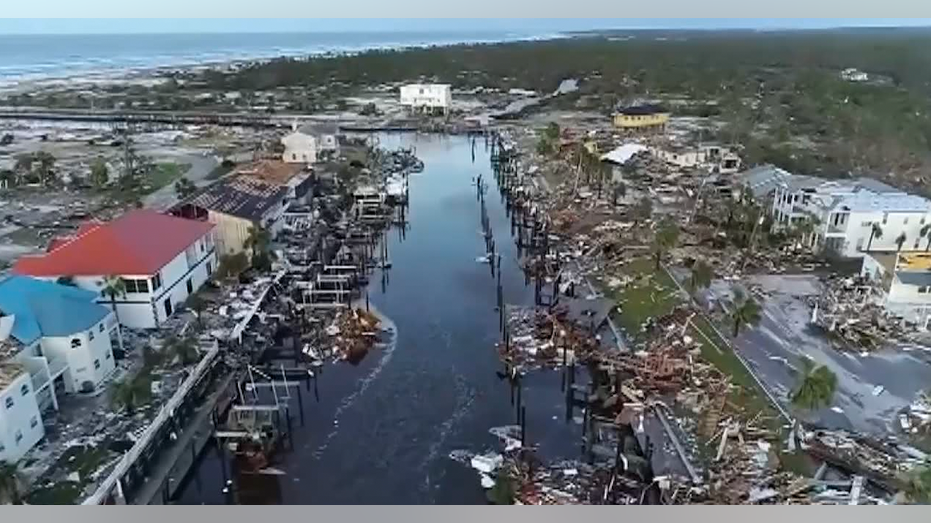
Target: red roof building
139,242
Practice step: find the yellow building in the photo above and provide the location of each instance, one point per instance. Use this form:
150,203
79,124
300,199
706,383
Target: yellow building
642,117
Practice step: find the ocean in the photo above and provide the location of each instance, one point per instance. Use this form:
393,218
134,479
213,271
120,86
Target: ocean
39,57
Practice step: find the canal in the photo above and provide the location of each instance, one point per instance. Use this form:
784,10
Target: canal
382,431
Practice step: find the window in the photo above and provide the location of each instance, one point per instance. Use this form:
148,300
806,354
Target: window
156,282
19,436
102,327
9,403
24,390
97,364
905,221
2,448
190,286
167,306
923,289
294,156
33,422
90,335
209,269
202,246
922,220
866,224
107,356
136,286
75,343
885,219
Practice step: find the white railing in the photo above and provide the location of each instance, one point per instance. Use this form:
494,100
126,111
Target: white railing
166,412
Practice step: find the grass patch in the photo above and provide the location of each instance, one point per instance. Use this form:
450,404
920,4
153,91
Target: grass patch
62,493
164,174
653,294
85,461
220,171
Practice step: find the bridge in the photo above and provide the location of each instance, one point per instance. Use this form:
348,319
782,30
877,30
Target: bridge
269,120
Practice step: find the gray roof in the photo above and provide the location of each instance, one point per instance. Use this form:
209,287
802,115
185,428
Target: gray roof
243,197
764,179
916,278
876,186
897,202
320,129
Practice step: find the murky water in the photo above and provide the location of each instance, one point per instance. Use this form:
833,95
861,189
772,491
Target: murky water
382,431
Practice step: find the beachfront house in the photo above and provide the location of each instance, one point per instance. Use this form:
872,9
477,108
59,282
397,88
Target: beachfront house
53,338
848,217
905,279
427,98
20,418
643,117
160,260
238,204
713,157
299,147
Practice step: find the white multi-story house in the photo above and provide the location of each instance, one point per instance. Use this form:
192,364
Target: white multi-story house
299,147
905,278
714,157
160,259
427,97
850,217
20,419
51,336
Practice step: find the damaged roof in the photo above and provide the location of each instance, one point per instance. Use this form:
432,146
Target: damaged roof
272,171
243,197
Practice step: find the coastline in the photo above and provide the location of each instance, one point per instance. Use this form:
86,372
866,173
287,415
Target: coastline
153,74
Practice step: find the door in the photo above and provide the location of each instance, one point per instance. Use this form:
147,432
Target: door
190,287
168,307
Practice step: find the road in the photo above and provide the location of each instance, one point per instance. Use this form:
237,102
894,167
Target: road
202,164
775,347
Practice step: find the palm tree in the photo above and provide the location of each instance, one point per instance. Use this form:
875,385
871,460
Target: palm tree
746,311
197,306
642,210
815,387
701,277
665,239
876,231
114,287
918,484
259,242
184,348
900,241
9,484
926,233
45,168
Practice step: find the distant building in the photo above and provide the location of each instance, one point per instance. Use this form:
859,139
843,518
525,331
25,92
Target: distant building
427,97
854,75
642,117
714,157
843,212
905,278
161,260
299,147
310,143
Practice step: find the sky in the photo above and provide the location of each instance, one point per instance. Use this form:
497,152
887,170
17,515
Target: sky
240,25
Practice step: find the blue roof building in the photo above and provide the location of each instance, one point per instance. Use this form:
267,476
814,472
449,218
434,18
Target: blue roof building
46,309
